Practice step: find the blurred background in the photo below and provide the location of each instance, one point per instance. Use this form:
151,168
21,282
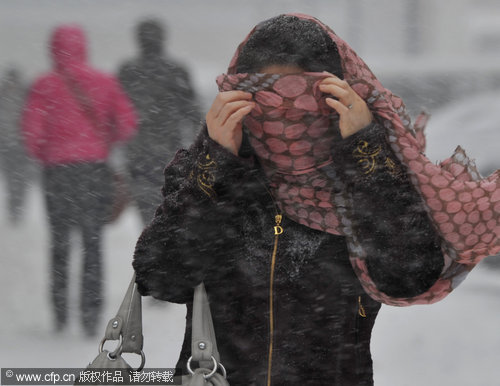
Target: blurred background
440,56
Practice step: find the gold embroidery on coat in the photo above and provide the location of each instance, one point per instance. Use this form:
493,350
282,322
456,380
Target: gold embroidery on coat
392,167
206,176
366,156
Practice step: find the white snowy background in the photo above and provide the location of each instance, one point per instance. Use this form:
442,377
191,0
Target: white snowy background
454,342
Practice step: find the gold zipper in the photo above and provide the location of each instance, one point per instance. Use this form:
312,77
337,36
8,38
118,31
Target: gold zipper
278,230
361,309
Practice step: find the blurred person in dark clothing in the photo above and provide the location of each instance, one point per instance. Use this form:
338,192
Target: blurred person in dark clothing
73,117
17,168
161,91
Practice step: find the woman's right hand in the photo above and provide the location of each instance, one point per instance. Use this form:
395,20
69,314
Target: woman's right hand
225,116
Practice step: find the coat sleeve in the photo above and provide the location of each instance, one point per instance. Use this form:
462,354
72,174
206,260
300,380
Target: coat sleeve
124,117
186,234
403,253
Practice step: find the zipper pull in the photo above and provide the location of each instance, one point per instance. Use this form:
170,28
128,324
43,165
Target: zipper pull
361,309
278,229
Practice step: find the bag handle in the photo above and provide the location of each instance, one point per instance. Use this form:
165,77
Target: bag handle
127,324
203,341
126,327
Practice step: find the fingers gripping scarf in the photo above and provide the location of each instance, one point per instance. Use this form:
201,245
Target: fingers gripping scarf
464,207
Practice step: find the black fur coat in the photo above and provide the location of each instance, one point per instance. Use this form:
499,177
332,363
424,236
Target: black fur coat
216,225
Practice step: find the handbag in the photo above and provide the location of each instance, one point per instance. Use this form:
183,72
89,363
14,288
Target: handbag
126,329
120,196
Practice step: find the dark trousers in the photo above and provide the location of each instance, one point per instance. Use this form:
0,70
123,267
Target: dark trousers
77,197
145,184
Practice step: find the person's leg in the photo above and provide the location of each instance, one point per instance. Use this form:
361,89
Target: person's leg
91,287
17,189
59,273
96,183
59,214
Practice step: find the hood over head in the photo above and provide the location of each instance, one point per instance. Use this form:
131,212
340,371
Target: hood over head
68,47
151,37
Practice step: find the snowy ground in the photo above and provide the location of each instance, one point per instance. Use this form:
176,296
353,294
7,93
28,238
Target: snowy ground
455,342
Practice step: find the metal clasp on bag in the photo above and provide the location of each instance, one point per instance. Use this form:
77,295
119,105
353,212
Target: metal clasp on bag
217,365
118,351
111,354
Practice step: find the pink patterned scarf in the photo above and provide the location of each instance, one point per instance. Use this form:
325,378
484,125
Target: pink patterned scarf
464,207
291,132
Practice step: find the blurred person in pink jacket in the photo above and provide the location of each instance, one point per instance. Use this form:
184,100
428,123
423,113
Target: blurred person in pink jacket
73,116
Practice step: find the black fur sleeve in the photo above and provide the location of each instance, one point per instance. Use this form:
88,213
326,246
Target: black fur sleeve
185,236
404,254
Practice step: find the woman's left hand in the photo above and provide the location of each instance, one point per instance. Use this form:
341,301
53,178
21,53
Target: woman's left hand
352,109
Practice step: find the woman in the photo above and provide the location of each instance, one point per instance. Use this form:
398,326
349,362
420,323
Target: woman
305,202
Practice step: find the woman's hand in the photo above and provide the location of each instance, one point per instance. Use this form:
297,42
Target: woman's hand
224,119
353,110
